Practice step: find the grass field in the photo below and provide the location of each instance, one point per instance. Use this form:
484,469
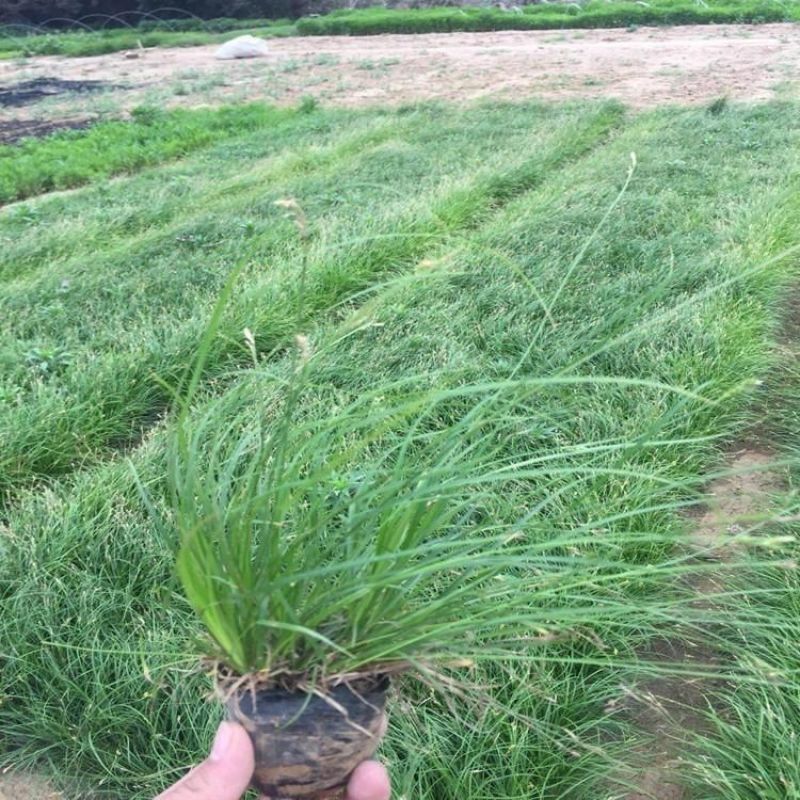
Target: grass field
17,41
448,247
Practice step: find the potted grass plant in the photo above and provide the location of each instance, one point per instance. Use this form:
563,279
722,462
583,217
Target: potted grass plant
326,555
329,547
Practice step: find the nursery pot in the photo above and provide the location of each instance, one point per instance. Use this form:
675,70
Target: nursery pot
306,746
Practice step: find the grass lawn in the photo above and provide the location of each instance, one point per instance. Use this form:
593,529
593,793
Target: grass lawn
448,247
593,14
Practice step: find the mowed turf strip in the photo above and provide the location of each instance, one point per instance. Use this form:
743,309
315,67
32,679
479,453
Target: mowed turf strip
91,339
556,278
73,158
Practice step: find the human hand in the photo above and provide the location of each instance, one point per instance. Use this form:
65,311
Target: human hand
226,773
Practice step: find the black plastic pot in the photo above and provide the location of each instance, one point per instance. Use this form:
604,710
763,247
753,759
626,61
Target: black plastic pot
306,746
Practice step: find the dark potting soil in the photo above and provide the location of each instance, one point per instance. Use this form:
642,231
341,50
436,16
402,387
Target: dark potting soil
26,92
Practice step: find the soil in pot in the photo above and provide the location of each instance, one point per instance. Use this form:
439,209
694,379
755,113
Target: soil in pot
306,746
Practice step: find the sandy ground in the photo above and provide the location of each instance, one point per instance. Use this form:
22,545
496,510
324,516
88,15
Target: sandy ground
643,68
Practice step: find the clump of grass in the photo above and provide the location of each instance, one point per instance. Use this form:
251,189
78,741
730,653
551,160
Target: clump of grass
373,540
718,106
317,548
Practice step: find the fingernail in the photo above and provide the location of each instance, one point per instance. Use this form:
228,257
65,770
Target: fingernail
222,741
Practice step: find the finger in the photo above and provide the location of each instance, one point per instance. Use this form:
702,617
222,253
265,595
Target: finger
224,775
369,781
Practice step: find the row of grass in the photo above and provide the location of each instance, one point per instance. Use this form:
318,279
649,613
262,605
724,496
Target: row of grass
370,21
81,367
216,25
594,14
127,22
73,158
94,638
50,230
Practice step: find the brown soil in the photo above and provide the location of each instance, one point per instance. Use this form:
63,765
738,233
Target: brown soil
736,502
643,68
669,709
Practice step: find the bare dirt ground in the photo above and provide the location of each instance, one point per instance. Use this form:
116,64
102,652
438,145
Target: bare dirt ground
643,68
25,787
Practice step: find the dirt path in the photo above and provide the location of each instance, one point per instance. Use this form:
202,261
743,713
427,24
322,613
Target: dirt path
24,787
668,710
644,68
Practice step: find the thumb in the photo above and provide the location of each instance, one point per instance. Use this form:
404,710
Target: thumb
370,781
224,775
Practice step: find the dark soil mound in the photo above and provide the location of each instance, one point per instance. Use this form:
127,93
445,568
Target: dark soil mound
25,92
15,130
